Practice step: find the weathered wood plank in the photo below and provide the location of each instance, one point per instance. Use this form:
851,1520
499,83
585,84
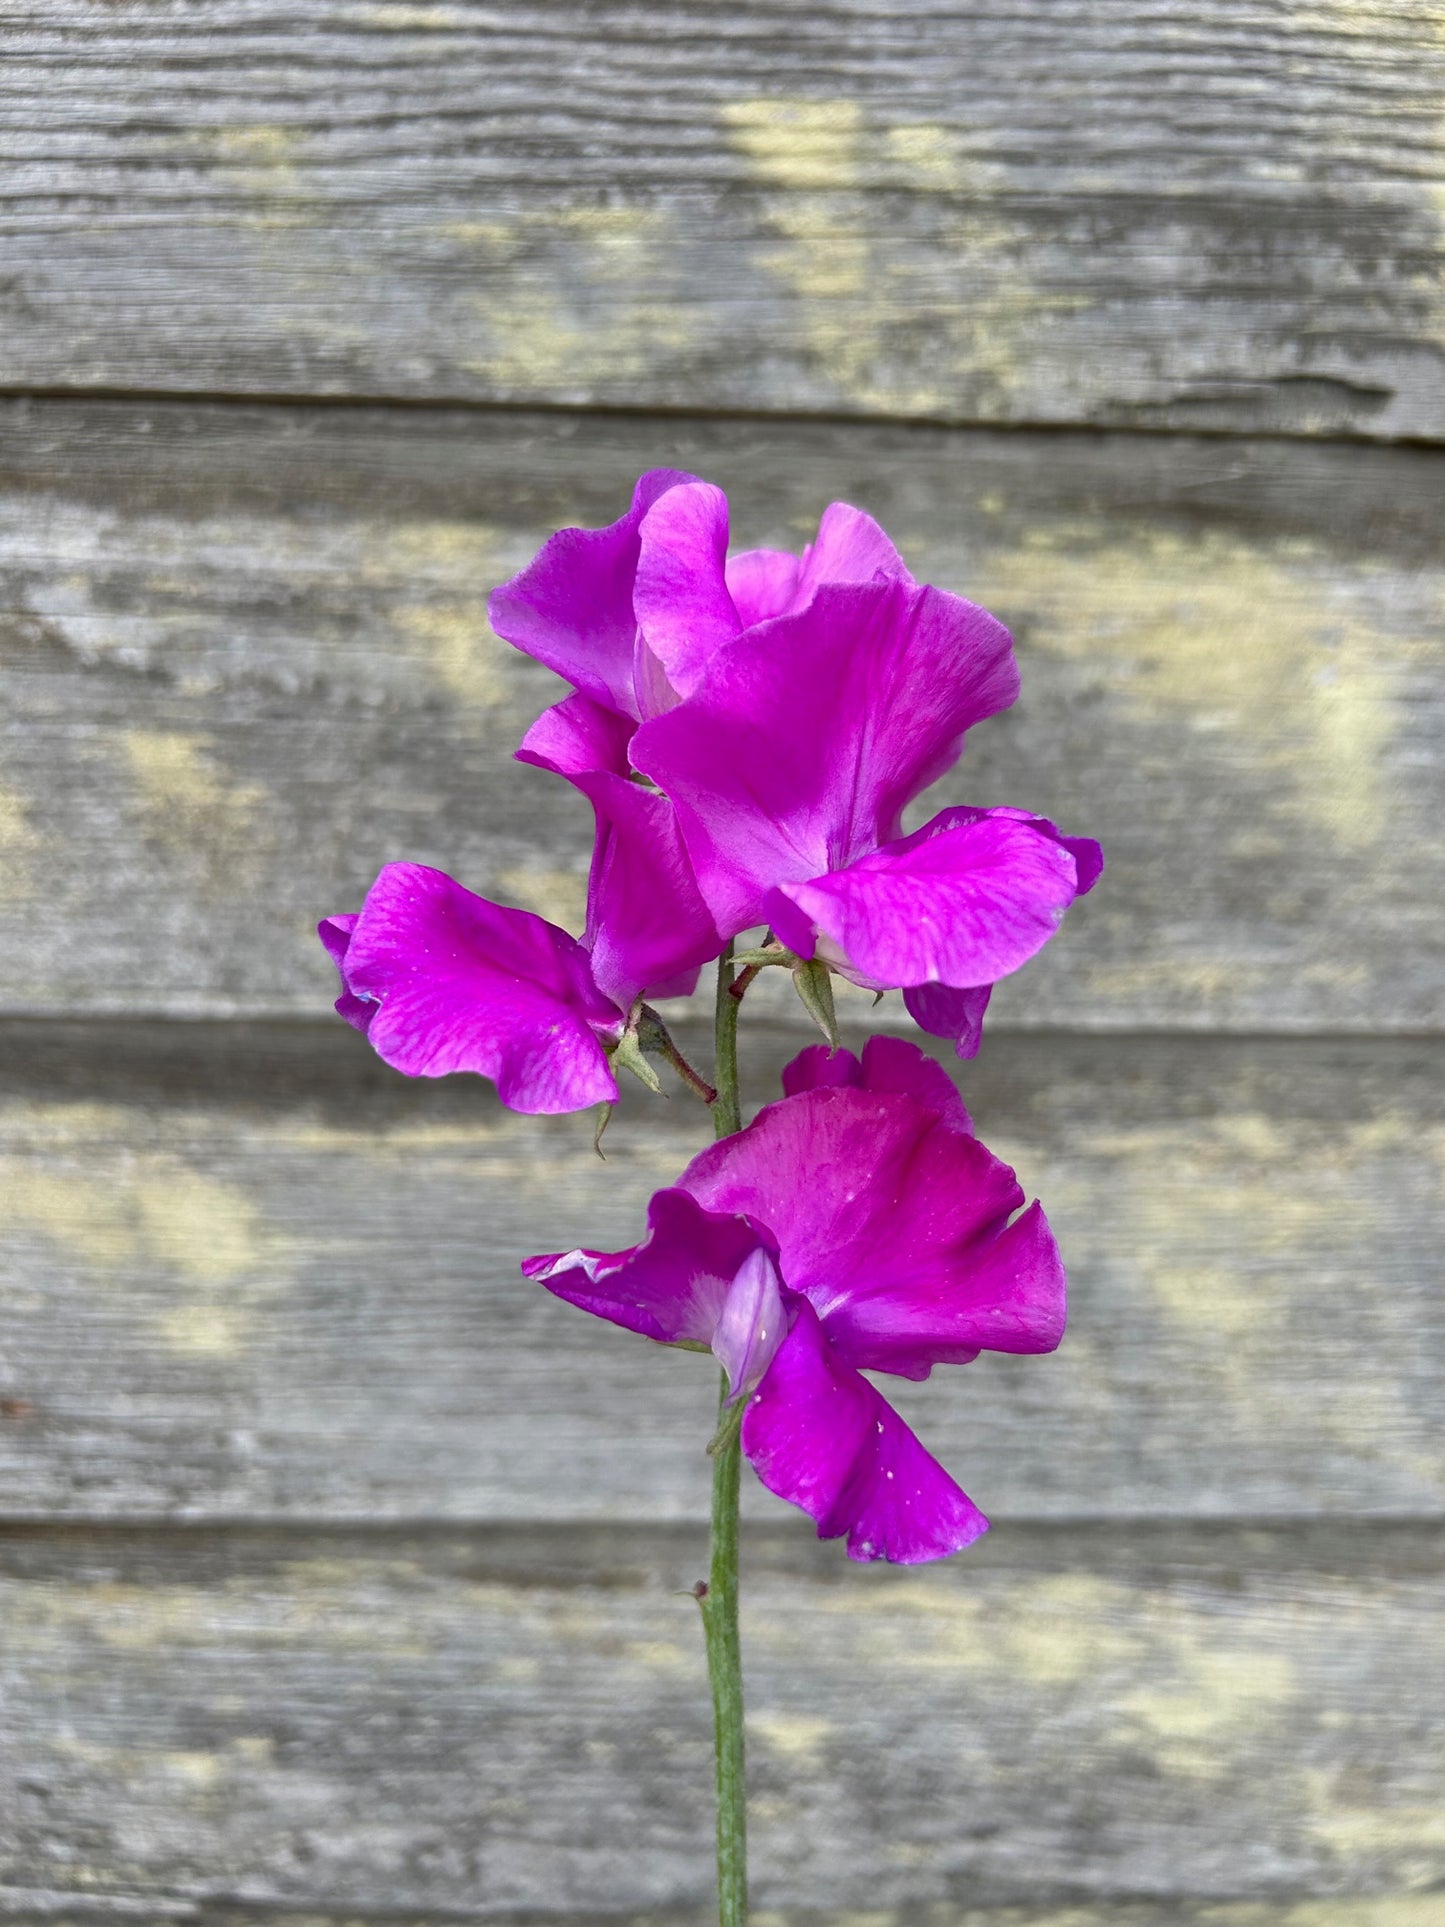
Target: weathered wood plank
256,1274
246,661
51,1907
409,1722
1145,211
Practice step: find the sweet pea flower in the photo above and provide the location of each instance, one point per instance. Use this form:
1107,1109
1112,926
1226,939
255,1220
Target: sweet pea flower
440,980
787,709
629,614
856,1225
789,766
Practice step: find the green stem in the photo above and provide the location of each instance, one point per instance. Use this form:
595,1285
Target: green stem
726,1118
655,1036
719,1600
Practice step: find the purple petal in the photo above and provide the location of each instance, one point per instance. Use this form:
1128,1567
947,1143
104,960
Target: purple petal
1014,1300
571,607
763,583
809,734
466,985
850,547
963,901
819,1435
648,929
684,611
820,1067
751,1325
945,1012
1087,854
576,737
335,934
888,1064
671,1286
894,1223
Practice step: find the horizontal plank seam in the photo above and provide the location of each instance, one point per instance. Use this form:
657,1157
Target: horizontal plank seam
449,404
56,1527
292,1023
217,1910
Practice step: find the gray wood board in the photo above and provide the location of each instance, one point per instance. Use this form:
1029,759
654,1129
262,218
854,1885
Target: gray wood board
255,1274
53,1907
246,661
399,1722
1224,215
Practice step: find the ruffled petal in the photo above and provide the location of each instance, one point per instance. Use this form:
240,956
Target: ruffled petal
648,930
571,607
1013,1299
576,737
461,984
670,1287
963,901
763,583
684,611
850,547
819,1435
894,1223
887,1064
335,934
945,1012
1087,854
821,1068
808,735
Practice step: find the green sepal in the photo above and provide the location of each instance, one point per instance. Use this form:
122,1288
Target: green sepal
772,953
628,1054
730,1424
814,984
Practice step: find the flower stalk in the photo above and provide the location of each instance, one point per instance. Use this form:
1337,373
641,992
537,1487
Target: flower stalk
738,728
726,1117
719,1598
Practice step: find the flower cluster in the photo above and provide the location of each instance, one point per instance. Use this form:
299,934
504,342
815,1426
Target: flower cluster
749,730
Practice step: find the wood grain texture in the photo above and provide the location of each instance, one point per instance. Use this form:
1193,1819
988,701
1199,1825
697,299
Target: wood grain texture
256,1274
53,1907
429,1722
1221,215
343,1575
246,661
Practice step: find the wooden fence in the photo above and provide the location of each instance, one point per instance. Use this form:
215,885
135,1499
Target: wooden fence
344,1574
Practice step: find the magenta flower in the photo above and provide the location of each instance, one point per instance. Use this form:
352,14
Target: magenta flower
749,732
789,767
630,614
788,708
440,980
857,1225
648,929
